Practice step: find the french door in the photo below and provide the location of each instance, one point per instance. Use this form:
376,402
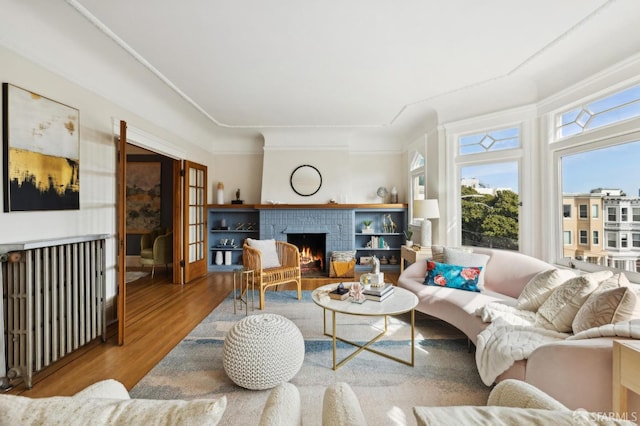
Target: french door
194,220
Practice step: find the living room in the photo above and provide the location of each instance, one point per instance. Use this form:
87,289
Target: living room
531,84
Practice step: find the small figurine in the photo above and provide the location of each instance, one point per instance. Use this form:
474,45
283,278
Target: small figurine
375,265
238,194
357,292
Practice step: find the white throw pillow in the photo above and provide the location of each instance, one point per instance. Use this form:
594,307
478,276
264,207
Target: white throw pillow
269,253
340,406
463,258
605,307
563,304
621,280
65,410
540,287
282,407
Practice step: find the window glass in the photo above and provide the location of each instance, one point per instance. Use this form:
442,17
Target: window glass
601,112
584,238
417,177
567,238
600,180
582,211
496,140
490,205
635,240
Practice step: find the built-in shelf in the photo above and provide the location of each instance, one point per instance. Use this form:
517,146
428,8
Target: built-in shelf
232,215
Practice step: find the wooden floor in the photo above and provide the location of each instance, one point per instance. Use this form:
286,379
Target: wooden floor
159,316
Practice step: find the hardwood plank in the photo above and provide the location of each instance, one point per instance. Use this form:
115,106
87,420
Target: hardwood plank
160,315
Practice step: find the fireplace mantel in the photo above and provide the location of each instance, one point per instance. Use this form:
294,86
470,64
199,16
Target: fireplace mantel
307,206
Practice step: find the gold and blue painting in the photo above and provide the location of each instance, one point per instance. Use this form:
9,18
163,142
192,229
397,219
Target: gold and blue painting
41,152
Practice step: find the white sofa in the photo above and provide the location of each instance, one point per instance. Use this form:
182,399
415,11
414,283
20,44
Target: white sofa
577,373
108,403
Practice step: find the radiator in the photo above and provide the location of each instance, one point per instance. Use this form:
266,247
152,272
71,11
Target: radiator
54,303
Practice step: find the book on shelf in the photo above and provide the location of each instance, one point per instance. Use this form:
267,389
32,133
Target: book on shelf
379,298
378,291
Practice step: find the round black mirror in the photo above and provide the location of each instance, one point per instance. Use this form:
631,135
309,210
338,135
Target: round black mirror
306,180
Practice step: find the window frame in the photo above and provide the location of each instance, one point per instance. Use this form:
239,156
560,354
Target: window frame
583,235
586,212
521,118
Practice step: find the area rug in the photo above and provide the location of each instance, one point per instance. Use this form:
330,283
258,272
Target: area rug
444,373
134,275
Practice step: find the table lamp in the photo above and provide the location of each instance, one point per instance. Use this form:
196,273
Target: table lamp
425,210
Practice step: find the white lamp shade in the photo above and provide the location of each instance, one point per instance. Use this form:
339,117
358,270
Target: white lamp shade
427,209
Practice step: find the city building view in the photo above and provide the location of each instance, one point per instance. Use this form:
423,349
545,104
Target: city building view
602,227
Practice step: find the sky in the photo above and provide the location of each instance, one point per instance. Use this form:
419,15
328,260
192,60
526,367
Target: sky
616,167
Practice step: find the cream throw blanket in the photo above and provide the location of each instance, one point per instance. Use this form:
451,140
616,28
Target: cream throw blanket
513,335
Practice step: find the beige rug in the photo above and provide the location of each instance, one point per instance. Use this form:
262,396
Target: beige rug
134,275
444,374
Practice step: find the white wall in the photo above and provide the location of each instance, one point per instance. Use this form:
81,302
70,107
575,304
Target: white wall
348,176
97,162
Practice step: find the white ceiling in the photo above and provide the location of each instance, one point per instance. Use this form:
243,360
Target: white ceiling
375,66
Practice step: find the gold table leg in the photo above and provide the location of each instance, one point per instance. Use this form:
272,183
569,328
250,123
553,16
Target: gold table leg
367,345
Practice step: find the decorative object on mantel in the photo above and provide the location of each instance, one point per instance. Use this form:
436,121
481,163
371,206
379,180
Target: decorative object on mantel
394,195
237,200
220,193
41,152
305,180
425,210
382,193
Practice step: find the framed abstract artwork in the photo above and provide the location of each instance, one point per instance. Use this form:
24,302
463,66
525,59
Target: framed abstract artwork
41,152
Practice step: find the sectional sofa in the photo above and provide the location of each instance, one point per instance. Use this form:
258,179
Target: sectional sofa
578,373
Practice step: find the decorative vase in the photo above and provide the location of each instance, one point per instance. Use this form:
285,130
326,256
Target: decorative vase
227,258
220,193
409,243
218,258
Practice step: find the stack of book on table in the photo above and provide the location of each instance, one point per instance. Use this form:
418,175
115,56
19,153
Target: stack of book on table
378,293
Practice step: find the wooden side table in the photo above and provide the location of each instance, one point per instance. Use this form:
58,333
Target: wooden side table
412,256
626,373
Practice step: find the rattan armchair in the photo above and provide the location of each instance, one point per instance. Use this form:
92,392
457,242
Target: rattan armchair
288,272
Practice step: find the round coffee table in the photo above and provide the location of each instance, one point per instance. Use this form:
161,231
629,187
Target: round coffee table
400,302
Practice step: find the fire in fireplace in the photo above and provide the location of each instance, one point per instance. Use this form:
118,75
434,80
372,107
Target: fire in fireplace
312,248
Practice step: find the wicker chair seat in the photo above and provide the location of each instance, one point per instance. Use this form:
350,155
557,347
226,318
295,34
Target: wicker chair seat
288,272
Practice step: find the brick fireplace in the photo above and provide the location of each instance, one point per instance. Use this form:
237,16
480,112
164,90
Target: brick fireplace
335,224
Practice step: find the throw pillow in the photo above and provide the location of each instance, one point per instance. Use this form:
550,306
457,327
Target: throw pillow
563,304
65,410
452,276
621,280
463,258
605,307
540,287
269,253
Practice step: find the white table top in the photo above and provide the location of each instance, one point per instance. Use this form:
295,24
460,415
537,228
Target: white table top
399,302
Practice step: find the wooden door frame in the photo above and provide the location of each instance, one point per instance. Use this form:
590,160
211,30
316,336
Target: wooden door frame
122,231
121,251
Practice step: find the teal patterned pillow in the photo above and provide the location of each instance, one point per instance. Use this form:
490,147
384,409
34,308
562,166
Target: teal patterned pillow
452,276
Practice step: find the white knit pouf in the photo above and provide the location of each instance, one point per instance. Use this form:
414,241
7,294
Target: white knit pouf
262,351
